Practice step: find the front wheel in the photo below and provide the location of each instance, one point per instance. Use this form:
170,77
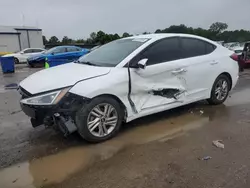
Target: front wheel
220,90
100,119
16,60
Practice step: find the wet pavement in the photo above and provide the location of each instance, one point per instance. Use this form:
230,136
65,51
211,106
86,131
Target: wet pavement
162,150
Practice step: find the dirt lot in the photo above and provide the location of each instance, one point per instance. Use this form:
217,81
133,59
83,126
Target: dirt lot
163,150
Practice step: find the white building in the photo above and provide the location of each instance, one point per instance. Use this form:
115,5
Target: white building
18,38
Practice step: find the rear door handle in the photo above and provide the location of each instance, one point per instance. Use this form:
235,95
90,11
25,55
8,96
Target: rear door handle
178,71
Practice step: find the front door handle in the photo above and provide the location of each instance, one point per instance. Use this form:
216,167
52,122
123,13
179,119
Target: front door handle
214,63
179,71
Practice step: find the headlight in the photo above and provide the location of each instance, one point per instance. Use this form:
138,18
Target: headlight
46,99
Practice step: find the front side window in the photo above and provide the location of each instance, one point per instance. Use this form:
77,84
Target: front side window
113,53
162,51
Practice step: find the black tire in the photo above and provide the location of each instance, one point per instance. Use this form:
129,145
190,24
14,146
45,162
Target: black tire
213,100
83,113
31,65
16,60
39,65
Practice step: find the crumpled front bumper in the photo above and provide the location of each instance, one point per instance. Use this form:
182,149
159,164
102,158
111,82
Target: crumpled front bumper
39,114
37,61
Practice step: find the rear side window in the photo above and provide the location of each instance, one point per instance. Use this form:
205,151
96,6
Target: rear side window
195,47
162,51
73,49
37,50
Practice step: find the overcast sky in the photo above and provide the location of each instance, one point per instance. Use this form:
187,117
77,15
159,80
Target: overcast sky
78,18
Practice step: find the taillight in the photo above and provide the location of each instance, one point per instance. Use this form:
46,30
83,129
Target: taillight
235,57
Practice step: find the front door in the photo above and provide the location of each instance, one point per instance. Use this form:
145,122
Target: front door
161,83
59,53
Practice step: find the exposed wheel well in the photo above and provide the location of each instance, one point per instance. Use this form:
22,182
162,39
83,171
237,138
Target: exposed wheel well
118,100
230,78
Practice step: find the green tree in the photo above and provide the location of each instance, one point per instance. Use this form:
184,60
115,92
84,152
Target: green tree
45,41
80,41
101,37
158,31
218,27
217,31
92,38
67,40
54,40
125,35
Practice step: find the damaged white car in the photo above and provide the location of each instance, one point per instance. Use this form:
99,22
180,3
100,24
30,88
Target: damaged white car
127,79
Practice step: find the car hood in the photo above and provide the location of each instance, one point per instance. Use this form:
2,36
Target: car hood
61,76
238,48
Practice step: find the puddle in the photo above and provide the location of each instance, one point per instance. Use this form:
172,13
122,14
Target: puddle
16,176
56,168
238,98
4,90
11,86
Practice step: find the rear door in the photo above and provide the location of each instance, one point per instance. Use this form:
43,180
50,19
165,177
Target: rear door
73,53
199,64
159,83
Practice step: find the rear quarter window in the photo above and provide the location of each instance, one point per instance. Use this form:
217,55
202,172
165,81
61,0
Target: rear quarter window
210,48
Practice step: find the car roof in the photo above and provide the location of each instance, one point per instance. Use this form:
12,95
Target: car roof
67,46
238,48
164,35
34,48
158,36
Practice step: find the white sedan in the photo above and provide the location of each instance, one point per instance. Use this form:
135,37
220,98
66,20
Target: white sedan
22,56
128,79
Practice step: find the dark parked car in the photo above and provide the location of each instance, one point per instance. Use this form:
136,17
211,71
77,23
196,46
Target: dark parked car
243,58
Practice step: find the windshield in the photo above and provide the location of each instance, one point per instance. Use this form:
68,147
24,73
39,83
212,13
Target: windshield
242,44
111,54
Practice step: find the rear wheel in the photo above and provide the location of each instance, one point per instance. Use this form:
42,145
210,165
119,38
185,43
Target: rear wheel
220,90
100,119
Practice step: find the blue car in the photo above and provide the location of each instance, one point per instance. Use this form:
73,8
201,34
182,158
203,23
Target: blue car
67,53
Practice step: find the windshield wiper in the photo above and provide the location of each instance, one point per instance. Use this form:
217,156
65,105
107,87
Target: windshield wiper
85,62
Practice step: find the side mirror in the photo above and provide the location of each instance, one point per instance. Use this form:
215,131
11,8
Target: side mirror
142,63
52,53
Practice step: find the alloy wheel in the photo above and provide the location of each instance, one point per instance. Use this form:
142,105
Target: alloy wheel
221,89
102,120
